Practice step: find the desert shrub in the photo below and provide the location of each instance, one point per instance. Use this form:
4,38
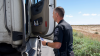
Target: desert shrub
96,33
75,34
80,35
84,46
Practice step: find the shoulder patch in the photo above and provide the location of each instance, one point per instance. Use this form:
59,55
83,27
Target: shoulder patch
56,31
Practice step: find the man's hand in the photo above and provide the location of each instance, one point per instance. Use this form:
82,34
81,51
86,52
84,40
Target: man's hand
55,45
44,43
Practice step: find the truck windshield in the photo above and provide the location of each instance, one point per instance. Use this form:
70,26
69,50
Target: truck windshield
33,1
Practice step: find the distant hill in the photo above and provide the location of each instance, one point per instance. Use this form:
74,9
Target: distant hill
86,25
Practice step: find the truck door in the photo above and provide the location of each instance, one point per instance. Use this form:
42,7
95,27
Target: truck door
42,22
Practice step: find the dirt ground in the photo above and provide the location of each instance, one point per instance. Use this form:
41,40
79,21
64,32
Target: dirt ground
88,30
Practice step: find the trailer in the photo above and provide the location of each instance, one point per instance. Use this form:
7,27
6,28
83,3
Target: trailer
22,22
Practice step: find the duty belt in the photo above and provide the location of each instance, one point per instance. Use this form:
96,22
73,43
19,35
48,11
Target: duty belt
63,54
58,53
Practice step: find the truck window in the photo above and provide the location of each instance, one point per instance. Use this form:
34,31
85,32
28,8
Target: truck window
39,0
35,1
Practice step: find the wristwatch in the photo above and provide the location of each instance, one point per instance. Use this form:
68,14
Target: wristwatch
47,43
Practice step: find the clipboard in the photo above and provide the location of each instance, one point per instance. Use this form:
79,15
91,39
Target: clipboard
41,38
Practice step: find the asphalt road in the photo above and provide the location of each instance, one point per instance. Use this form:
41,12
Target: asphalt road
47,51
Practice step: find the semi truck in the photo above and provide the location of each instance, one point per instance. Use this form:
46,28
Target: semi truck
22,22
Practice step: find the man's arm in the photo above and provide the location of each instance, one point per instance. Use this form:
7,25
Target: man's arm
58,37
55,45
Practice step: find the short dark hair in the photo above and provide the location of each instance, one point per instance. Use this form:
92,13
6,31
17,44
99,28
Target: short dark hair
60,11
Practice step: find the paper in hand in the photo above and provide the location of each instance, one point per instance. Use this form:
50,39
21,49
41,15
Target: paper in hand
41,39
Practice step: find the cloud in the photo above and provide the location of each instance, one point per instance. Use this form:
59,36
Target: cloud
86,14
79,12
89,14
69,16
93,14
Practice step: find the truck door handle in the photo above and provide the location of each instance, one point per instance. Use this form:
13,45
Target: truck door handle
50,5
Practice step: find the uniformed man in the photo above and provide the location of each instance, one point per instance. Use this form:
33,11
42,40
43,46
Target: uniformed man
63,37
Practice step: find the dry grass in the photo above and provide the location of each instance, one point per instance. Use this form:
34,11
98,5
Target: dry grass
89,30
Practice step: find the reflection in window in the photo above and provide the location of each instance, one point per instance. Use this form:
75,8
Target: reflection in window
35,1
32,1
39,0
25,1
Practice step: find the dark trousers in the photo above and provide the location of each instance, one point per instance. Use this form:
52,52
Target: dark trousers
57,53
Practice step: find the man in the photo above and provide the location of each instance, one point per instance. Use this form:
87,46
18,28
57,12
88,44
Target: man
63,37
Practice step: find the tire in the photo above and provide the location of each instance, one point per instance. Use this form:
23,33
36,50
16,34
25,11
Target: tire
7,48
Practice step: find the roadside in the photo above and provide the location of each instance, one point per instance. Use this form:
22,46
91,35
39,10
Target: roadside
89,31
85,46
92,35
47,51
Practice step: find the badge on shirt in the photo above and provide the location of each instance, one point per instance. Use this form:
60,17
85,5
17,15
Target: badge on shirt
56,31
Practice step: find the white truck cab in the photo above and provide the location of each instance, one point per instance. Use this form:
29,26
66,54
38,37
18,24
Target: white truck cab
22,22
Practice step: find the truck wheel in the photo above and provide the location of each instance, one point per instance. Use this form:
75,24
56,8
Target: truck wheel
39,48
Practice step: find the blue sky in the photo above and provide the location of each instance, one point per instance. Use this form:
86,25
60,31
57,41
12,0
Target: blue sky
81,12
